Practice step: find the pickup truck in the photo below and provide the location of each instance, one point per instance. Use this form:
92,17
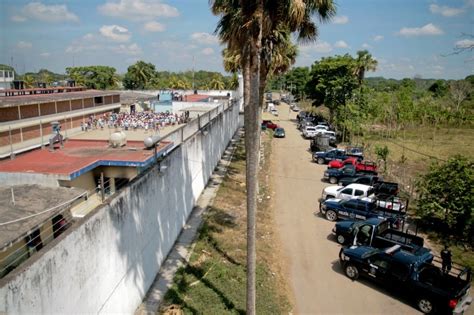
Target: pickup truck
357,209
333,175
359,165
323,157
269,124
312,131
377,233
364,179
431,290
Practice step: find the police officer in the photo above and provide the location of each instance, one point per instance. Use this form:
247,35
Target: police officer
446,259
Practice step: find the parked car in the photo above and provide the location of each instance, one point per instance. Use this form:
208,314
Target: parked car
359,165
355,151
321,143
367,179
325,157
269,124
309,132
356,209
376,232
296,108
330,134
279,133
333,175
274,112
433,291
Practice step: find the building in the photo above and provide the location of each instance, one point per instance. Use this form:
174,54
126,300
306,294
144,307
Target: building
6,79
26,115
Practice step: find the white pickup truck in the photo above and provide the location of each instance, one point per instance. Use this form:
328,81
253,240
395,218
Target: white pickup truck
363,192
311,131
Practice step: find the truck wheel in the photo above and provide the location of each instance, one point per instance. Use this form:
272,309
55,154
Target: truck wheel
333,180
351,271
331,215
426,306
340,239
320,161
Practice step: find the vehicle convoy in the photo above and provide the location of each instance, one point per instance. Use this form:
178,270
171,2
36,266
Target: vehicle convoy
376,232
357,209
323,157
359,165
432,291
333,175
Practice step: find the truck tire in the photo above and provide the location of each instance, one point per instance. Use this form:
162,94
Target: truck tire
351,272
426,305
333,180
321,161
331,215
340,239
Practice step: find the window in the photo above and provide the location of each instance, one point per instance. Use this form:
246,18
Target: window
381,263
358,193
1,73
347,191
98,100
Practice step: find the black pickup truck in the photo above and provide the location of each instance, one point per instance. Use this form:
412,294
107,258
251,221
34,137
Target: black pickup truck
333,175
414,275
376,232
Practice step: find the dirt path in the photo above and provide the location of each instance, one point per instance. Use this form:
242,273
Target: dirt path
315,277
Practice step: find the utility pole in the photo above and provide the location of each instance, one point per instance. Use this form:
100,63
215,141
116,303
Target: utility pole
194,66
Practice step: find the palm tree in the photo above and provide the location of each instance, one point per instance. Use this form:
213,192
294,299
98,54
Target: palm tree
29,81
245,26
217,84
142,72
364,63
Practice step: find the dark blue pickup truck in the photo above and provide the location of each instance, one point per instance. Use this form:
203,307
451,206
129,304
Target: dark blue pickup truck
376,232
357,209
323,157
414,275
333,175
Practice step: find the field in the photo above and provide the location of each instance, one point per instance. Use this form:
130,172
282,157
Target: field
214,282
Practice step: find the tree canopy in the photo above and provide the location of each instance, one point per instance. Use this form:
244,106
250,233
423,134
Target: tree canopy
95,77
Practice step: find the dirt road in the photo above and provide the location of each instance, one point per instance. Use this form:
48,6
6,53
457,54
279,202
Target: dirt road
315,277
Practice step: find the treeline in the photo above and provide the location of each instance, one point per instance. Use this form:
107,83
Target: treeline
139,76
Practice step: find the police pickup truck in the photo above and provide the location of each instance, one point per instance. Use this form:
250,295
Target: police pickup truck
414,275
376,232
333,175
357,209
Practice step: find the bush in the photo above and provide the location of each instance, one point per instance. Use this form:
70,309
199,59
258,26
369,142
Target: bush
446,198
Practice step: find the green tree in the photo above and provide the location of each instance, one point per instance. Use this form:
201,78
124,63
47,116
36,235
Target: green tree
382,153
446,198
217,84
95,77
438,88
332,82
296,80
363,63
139,75
29,81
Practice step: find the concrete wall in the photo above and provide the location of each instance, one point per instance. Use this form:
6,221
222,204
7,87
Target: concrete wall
107,263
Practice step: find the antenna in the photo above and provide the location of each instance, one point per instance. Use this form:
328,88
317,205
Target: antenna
194,66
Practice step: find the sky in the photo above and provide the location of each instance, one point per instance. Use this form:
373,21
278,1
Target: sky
407,37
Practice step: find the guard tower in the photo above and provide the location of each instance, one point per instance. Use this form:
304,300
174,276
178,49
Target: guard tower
56,136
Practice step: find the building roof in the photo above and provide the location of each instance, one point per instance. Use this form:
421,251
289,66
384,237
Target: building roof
196,98
130,97
7,101
30,200
80,156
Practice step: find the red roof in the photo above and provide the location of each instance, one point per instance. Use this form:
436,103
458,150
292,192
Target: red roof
80,156
196,98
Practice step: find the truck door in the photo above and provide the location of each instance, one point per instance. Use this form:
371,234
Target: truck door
364,235
346,193
379,267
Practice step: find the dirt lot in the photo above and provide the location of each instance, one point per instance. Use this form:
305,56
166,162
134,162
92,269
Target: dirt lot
313,270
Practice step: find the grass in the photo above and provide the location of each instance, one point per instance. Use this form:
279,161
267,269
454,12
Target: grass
214,281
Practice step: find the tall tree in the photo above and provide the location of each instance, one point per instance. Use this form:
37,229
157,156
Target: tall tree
139,75
29,81
364,62
245,26
459,91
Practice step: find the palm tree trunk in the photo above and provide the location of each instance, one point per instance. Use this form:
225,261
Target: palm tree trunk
252,150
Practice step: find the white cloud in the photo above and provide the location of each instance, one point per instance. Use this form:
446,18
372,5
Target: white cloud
340,19
469,3
207,51
154,26
46,13
341,44
428,29
115,33
45,54
18,18
24,45
204,38
377,38
366,46
138,10
131,50
465,43
319,47
445,10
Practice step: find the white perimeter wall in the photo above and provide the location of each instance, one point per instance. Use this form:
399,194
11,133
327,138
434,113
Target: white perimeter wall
107,264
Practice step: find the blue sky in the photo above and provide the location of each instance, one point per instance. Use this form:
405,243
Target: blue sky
407,37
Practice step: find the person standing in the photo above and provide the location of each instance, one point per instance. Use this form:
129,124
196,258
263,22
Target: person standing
446,259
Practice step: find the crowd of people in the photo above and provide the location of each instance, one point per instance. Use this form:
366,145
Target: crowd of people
146,120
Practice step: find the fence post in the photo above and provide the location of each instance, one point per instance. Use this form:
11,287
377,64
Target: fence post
12,155
41,133
182,134
199,121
